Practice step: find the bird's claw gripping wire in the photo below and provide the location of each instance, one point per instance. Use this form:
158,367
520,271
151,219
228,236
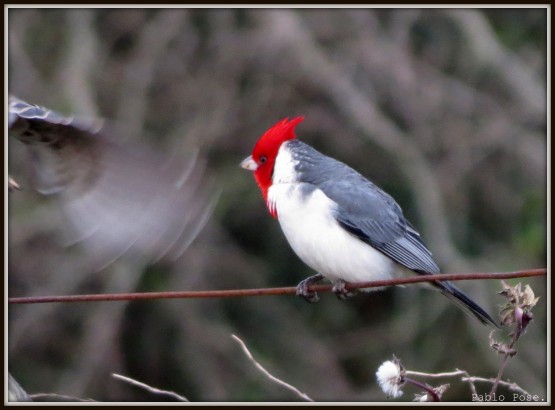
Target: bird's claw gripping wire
302,288
341,292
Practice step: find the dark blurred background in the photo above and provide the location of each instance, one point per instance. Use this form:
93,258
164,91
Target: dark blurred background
443,108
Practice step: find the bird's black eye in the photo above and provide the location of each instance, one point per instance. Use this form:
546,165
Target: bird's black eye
262,159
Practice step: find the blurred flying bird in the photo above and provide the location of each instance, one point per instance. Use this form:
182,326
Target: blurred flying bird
115,199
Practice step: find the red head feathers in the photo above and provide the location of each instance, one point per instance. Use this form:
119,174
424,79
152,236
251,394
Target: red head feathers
266,149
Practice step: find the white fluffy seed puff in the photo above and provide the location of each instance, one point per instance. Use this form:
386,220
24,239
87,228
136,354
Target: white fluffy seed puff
390,378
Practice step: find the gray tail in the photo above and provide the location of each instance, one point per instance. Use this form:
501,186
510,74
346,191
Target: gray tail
463,301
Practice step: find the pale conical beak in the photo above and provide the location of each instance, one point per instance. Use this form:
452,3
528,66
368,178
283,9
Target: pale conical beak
249,163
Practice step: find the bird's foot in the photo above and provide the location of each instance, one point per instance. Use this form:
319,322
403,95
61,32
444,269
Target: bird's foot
341,292
302,288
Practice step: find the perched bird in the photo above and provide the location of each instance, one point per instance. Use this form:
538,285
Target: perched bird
338,222
114,199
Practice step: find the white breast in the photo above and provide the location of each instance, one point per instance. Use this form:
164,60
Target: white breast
307,221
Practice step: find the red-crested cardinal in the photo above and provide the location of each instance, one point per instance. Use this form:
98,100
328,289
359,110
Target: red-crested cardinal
338,222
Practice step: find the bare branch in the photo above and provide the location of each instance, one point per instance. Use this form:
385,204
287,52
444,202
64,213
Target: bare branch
267,374
148,388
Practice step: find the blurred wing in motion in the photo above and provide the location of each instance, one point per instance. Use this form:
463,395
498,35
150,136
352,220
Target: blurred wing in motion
115,200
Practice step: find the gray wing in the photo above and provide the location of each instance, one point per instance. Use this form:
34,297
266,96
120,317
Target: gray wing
365,210
115,199
375,218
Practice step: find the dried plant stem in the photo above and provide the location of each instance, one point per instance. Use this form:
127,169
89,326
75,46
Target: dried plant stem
437,375
471,379
267,374
506,358
466,377
425,387
510,385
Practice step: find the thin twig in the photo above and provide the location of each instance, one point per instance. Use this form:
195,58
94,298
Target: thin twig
504,363
271,291
509,352
148,388
267,374
510,385
424,386
470,379
466,377
13,185
437,375
52,397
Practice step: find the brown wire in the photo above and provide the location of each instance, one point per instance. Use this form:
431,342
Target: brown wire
269,291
